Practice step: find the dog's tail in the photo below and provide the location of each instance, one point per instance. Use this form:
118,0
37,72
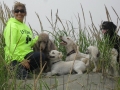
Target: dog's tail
85,60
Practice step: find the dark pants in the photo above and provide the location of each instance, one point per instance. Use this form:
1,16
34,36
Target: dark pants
34,63
34,58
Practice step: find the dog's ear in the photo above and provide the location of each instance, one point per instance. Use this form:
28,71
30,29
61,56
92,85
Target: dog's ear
36,46
60,55
85,60
51,46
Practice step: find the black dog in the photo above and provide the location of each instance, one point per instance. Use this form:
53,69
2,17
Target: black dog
109,28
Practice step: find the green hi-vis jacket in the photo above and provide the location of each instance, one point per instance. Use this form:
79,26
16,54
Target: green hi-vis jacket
18,40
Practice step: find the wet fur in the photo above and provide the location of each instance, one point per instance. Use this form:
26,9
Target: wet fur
45,45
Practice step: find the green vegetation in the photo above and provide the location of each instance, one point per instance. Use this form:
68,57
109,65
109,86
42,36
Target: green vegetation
83,37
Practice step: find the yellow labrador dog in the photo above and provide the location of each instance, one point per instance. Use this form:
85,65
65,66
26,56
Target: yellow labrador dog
60,67
71,49
92,52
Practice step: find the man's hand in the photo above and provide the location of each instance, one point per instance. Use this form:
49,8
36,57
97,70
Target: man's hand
25,63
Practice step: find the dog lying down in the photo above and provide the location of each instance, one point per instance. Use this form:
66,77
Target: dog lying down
59,67
92,52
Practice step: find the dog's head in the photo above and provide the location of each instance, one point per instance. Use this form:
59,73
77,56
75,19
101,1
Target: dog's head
67,41
108,28
93,50
44,44
55,55
43,40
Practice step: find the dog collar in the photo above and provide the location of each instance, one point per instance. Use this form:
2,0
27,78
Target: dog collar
71,52
56,61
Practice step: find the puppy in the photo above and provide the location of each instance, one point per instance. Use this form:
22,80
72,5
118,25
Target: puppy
94,56
45,45
113,68
61,67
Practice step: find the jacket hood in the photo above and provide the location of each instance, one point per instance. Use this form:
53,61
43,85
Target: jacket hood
14,20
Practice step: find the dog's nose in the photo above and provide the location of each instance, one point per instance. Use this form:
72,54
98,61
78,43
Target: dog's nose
48,56
42,49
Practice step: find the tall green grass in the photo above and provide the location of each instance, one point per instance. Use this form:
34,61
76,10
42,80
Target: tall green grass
84,37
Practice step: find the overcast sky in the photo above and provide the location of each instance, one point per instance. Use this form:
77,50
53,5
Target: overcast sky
67,10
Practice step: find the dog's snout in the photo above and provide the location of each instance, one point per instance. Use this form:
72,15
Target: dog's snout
41,49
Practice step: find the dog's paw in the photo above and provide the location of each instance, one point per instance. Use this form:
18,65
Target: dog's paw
49,74
116,74
79,72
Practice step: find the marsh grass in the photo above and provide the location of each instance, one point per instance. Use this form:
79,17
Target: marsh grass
84,37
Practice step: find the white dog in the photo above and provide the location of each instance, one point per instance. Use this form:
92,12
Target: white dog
113,68
93,56
73,53
61,67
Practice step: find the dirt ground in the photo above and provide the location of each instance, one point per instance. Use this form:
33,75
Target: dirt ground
92,81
